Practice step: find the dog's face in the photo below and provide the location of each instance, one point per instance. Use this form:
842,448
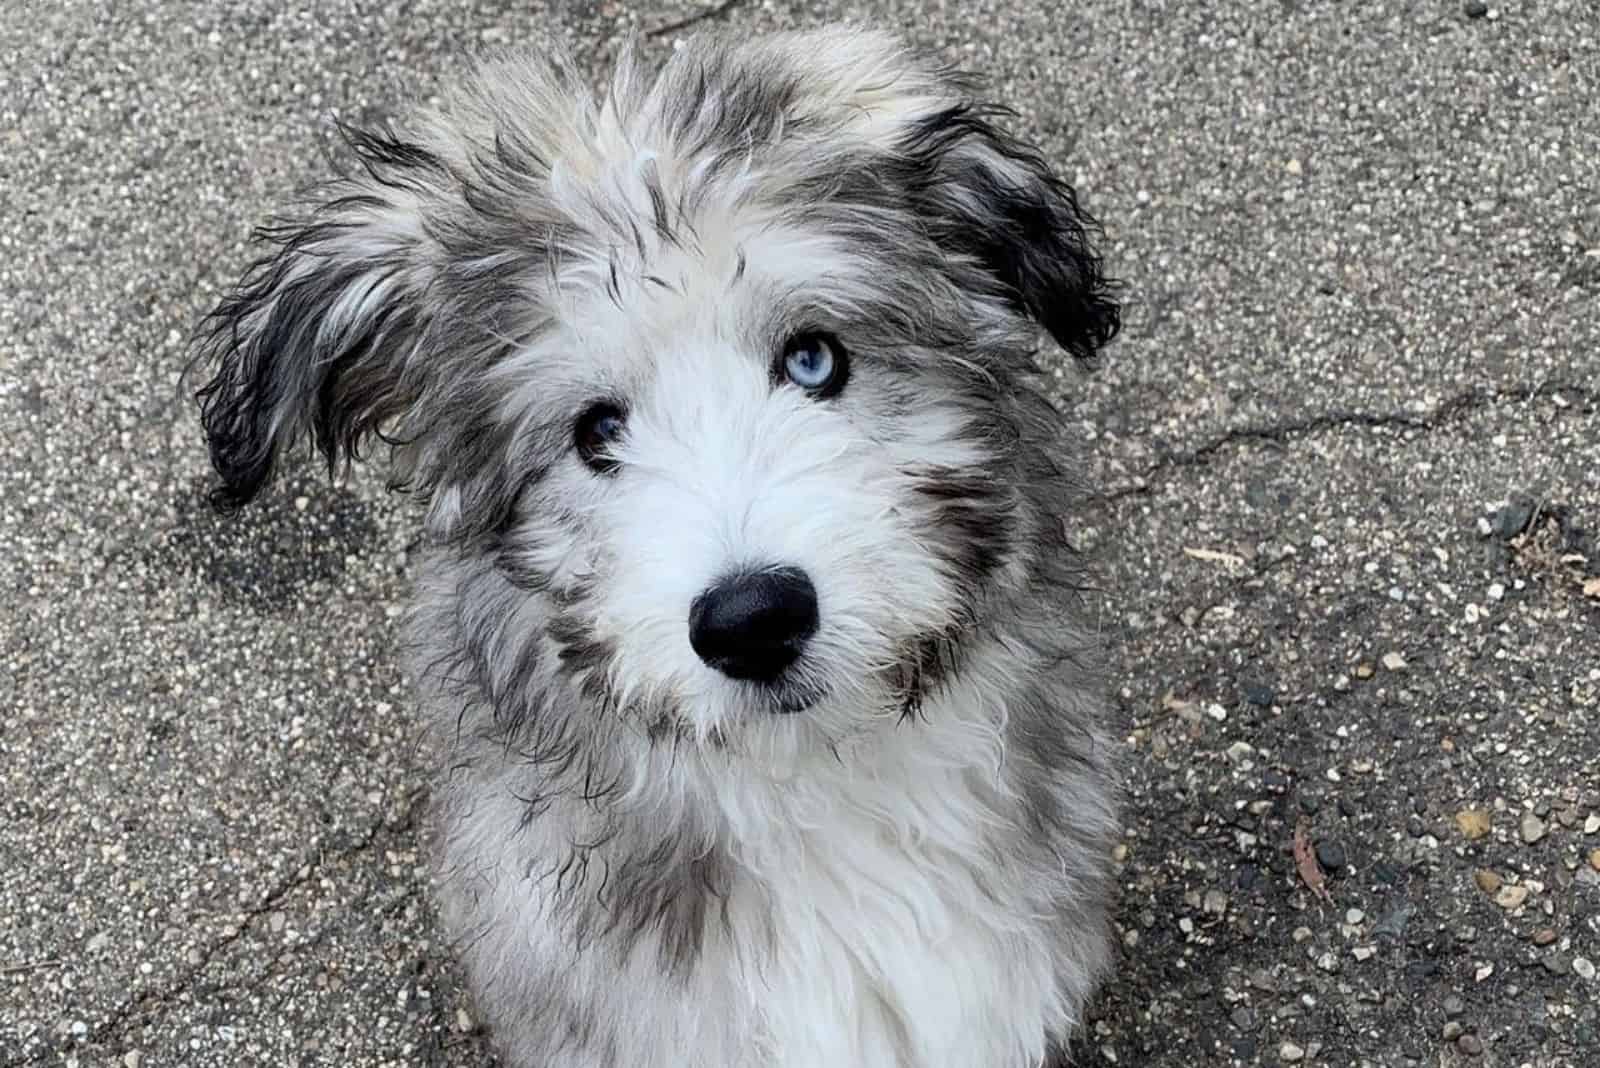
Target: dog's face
729,375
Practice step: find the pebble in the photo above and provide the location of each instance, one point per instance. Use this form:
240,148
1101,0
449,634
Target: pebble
1473,823
1453,1030
1594,859
1533,828
1475,9
1393,662
1592,824
1245,1019
1471,1045
1216,902
1511,897
1584,967
1330,855
132,1059
1514,518
1487,880
1289,1053
1365,670
1355,917
1393,923
1544,936
463,1021
1260,695
1454,1006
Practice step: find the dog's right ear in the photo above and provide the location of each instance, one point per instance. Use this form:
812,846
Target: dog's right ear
321,333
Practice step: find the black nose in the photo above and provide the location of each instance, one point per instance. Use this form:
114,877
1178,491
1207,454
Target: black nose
754,626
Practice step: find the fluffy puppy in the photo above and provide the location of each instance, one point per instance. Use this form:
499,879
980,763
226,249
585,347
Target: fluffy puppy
747,631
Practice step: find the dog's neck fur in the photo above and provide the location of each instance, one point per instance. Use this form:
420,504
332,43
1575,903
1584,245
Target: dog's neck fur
889,899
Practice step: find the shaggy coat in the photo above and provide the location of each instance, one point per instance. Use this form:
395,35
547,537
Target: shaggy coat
575,321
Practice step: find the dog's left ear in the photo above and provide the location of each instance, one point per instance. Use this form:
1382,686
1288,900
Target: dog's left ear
993,199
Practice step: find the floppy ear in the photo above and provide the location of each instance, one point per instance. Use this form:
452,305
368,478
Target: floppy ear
320,333
993,199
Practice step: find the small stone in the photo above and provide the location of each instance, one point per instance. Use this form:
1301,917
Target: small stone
1592,824
1239,752
1471,1045
1511,897
1330,855
1392,924
1217,712
1244,1019
1473,823
1363,953
1294,167
1216,902
1260,695
1584,967
1533,828
1454,1006
1453,1030
1488,881
1393,662
1475,9
1555,964
1355,917
463,1021
1289,1053
1514,518
1544,936
132,1059
1365,670
1594,859
1482,972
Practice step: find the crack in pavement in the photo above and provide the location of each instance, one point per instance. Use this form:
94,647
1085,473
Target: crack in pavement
1294,429
702,16
150,1002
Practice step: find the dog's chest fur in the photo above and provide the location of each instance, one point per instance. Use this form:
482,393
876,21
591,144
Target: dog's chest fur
865,911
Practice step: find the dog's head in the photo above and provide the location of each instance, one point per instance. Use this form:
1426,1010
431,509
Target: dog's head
729,372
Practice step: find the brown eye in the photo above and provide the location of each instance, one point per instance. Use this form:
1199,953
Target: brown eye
816,362
598,428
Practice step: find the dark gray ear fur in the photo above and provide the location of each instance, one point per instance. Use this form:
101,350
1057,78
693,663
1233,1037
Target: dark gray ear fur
993,199
317,334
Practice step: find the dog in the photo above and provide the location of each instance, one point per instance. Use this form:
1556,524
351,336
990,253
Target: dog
749,635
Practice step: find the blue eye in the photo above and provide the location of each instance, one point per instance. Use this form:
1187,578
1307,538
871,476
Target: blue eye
817,363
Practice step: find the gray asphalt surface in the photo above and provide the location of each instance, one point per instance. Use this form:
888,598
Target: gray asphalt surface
1348,461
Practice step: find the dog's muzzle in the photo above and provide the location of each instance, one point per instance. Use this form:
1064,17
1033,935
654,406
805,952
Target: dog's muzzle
754,625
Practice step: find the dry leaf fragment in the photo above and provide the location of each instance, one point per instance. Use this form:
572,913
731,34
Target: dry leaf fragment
1305,862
